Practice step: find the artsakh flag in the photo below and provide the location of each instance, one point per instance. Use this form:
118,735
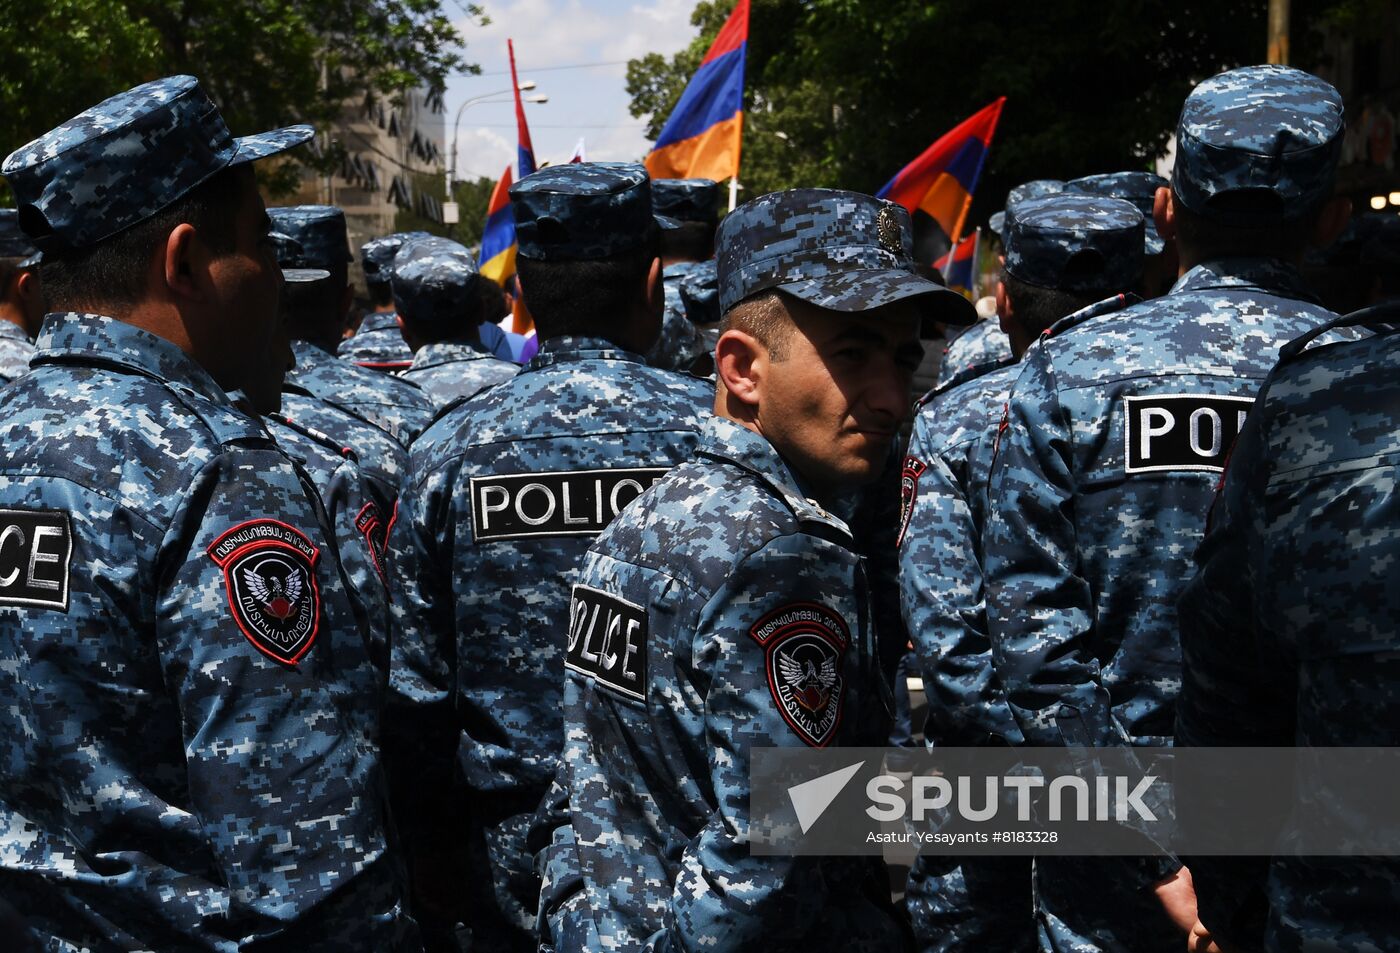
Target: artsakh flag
523,148
702,137
497,259
941,180
958,266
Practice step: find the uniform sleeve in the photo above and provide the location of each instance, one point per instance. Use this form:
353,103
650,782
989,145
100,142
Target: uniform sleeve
1039,608
724,899
280,759
944,606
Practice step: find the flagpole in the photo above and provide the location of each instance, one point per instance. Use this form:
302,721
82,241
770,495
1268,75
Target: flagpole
976,262
733,192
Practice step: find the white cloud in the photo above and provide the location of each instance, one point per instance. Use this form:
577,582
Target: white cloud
483,153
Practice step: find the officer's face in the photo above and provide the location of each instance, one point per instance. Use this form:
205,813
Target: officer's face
833,405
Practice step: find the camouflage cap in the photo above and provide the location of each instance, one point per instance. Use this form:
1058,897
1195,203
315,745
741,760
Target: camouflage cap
291,258
1034,189
686,200
583,211
435,282
700,293
125,159
1139,188
1077,243
13,242
843,251
1268,132
377,255
320,230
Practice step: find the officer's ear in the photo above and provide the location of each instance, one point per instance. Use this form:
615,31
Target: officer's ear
741,361
1331,222
181,261
656,289
1005,310
1164,213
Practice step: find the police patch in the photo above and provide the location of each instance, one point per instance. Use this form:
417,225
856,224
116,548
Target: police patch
270,576
376,533
559,503
1191,432
804,644
908,490
608,641
36,550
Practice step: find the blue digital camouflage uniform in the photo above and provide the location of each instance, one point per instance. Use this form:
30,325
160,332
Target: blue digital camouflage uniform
1140,188
15,351
723,573
398,407
1035,189
985,903
1117,429
509,488
1288,631
174,778
980,348
435,290
680,342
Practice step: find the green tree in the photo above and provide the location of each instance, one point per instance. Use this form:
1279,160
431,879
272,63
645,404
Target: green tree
266,63
843,93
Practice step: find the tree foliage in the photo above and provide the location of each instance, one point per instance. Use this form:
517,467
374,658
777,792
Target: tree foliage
843,93
266,63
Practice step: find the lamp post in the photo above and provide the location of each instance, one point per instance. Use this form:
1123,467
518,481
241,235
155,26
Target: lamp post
449,208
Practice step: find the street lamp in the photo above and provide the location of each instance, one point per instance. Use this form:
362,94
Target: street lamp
475,100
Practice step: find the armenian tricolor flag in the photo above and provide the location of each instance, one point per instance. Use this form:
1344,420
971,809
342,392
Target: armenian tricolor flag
701,139
941,180
497,260
959,266
524,151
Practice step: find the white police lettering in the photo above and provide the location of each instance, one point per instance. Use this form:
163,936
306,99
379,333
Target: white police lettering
564,503
36,552
1181,431
608,641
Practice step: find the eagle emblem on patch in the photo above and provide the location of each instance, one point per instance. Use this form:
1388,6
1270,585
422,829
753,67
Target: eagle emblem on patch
908,490
887,227
270,578
804,644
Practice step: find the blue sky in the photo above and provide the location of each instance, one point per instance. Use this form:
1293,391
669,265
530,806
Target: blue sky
590,101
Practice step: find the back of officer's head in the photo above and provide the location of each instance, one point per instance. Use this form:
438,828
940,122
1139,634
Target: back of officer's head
318,239
1063,253
377,261
21,300
435,288
693,204
588,252
1257,153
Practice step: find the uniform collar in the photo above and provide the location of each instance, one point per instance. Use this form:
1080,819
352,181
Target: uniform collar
1265,274
446,352
723,439
13,332
379,321
72,337
569,348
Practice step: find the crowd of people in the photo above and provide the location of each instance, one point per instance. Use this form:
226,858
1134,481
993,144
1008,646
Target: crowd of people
450,637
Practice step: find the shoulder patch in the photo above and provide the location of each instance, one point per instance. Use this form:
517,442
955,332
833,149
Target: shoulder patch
608,641
804,645
270,576
371,525
1186,432
36,554
559,503
908,491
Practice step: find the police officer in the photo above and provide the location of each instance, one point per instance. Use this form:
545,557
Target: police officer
509,488
185,694
316,312
439,303
983,346
1288,631
21,302
693,204
756,595
1062,253
1139,188
1117,429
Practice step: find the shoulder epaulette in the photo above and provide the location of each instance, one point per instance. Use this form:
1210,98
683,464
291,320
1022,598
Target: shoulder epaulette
1107,306
316,436
1381,318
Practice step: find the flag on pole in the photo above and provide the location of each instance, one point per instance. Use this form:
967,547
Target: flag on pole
497,259
941,180
959,266
701,139
579,154
524,150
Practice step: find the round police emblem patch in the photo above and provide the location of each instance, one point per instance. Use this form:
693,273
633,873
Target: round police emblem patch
887,226
270,576
804,644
